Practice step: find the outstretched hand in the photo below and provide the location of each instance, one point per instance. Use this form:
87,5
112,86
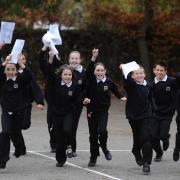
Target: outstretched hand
94,54
86,101
40,106
8,58
124,99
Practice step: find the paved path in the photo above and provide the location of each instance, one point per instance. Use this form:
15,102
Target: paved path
39,163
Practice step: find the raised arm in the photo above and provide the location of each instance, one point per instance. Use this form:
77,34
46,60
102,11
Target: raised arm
90,67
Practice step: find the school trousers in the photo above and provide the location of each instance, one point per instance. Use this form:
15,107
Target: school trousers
63,131
11,131
51,129
160,132
76,117
141,139
97,122
26,122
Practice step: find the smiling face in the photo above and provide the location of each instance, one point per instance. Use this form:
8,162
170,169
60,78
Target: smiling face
160,72
99,71
66,76
10,70
139,75
74,59
22,59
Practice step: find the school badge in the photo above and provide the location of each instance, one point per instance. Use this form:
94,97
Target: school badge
80,81
70,93
105,88
168,88
15,86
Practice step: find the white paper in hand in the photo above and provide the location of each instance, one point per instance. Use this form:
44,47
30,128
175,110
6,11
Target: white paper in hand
16,51
129,67
6,32
48,42
55,35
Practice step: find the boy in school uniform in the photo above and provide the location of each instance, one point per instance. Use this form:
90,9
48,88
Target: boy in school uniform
43,64
139,114
164,92
98,100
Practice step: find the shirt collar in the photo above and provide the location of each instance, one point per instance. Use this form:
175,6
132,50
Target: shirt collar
68,84
144,83
12,78
156,81
103,79
79,68
20,70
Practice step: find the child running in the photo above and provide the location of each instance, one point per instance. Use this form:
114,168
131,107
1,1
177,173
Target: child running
139,114
98,100
64,93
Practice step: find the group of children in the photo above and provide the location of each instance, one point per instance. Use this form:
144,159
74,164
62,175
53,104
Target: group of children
150,107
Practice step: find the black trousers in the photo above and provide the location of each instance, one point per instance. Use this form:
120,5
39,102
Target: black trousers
26,123
160,132
142,139
11,130
76,117
51,129
177,141
63,131
97,122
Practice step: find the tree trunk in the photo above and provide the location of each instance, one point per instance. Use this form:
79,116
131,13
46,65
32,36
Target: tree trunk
147,10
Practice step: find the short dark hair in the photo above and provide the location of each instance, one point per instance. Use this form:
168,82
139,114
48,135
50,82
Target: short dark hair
162,63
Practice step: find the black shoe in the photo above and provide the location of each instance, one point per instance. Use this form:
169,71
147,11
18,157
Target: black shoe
3,165
53,150
146,169
165,145
18,153
92,162
138,158
158,158
176,154
108,155
60,164
74,154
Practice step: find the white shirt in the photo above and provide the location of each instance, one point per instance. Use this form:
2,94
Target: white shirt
156,81
144,83
79,68
103,79
68,84
13,78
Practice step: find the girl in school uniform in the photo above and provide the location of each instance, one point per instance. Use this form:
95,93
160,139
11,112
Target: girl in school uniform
12,102
32,93
80,76
139,114
65,96
43,64
98,100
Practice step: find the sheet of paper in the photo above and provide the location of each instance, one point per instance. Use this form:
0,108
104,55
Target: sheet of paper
54,31
48,42
129,67
6,32
17,49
